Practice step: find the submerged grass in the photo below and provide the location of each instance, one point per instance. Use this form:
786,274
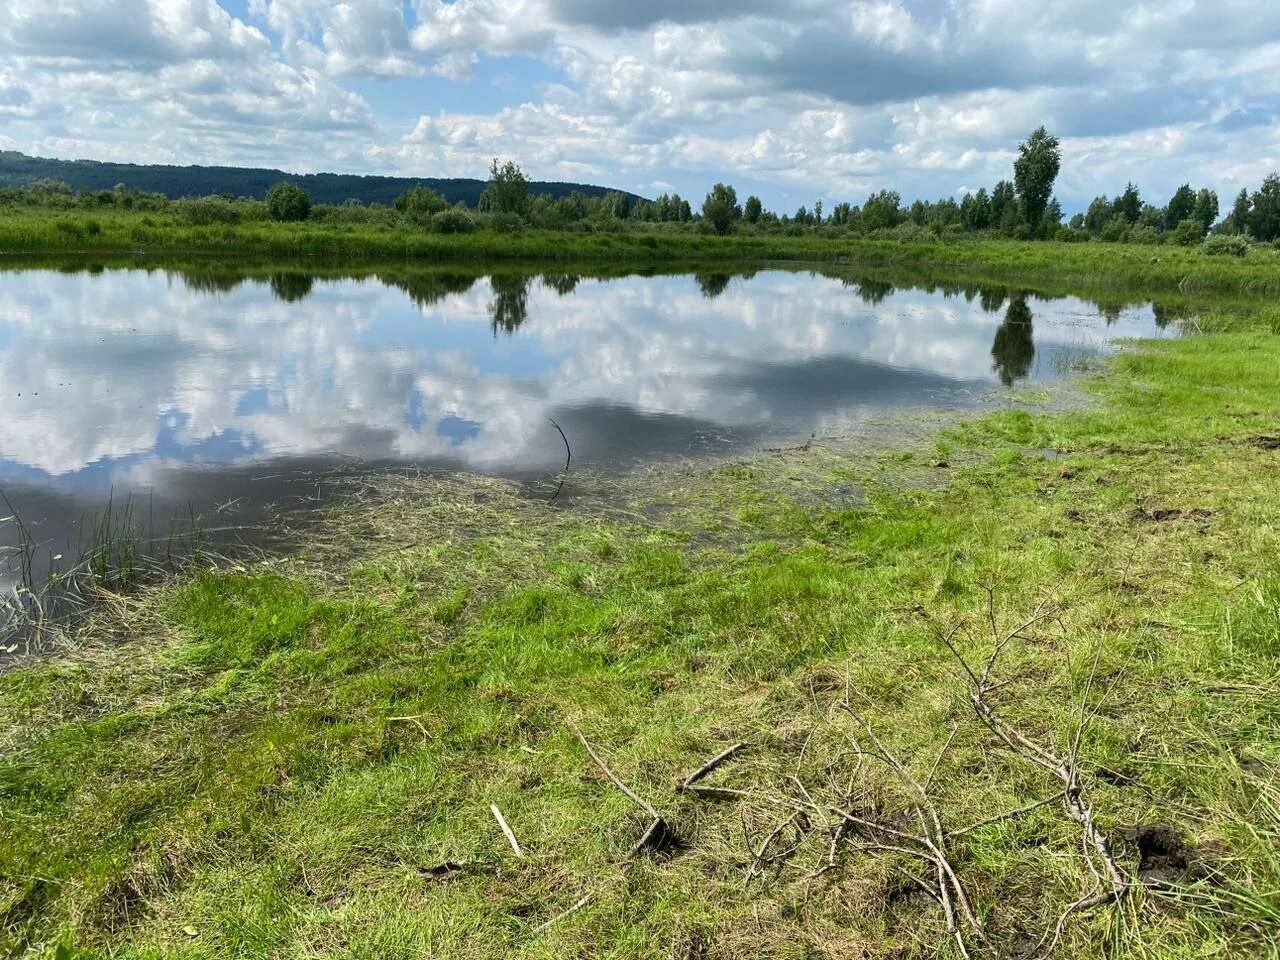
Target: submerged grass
26,232
298,758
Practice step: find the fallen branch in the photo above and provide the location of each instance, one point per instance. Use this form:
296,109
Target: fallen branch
563,914
568,455
709,767
659,833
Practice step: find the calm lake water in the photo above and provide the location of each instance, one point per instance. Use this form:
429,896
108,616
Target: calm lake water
210,397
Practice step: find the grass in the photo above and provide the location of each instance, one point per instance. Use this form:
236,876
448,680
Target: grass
276,760
30,231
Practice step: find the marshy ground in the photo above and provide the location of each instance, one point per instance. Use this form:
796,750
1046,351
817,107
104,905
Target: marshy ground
302,756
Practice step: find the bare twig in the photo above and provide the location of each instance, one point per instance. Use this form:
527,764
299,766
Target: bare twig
659,832
506,830
709,767
563,914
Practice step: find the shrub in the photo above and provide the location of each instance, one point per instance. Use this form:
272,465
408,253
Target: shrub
1225,245
206,211
452,221
1188,233
420,202
1071,235
1116,230
288,202
1142,233
93,228
505,222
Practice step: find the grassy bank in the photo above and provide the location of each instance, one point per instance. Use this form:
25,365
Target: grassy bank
27,232
300,758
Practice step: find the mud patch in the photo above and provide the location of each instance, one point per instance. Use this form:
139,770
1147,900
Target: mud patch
1265,442
1162,515
1164,857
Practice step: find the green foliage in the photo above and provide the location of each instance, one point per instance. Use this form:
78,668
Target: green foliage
288,203
1206,209
507,190
1034,172
720,208
882,210
206,211
1188,233
1225,245
1181,206
1264,215
752,209
1128,205
1072,235
420,202
452,221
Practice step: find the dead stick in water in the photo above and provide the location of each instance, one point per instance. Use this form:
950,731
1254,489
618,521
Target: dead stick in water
568,456
507,831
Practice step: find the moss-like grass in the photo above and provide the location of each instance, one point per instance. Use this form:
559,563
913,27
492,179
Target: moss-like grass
277,761
30,231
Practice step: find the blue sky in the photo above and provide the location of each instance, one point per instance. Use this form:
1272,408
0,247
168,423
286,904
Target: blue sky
795,100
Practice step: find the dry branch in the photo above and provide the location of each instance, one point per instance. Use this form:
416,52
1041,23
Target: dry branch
709,767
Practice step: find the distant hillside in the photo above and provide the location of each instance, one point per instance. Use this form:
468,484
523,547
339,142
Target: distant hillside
17,169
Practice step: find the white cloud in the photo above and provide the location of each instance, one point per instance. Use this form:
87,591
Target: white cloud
794,98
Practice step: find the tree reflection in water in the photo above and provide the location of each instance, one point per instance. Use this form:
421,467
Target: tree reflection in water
1014,347
510,304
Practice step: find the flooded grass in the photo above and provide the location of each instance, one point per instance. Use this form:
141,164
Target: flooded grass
299,757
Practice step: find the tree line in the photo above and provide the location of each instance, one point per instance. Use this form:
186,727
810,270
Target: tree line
1022,207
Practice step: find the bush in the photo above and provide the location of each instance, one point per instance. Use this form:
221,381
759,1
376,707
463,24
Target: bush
1225,245
93,228
1071,235
505,223
452,221
205,211
1188,233
288,202
1142,233
1116,230
420,202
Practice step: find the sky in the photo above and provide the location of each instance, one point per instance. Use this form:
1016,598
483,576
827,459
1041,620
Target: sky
794,100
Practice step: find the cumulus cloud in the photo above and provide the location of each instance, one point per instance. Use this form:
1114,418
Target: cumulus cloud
792,98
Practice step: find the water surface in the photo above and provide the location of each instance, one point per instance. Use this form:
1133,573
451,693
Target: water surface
207,397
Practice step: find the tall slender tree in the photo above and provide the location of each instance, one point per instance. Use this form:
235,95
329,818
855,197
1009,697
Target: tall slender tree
1034,173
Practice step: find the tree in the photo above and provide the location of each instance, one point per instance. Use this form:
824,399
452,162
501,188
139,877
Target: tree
1128,204
882,210
1238,220
1034,173
1003,199
1181,205
1098,216
975,210
288,202
720,208
1206,209
1264,219
817,212
507,190
752,210
420,201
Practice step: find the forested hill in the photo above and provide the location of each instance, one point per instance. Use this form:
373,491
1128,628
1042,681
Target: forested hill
17,169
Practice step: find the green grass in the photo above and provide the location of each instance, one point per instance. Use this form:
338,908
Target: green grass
30,231
271,762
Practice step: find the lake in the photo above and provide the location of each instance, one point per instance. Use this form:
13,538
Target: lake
208,397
